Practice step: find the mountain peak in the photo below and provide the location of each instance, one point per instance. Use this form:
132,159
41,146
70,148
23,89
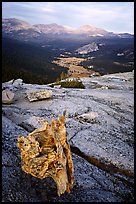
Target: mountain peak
14,21
53,28
87,26
15,24
12,25
91,30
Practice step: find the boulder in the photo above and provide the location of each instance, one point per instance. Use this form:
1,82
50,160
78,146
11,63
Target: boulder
35,95
18,82
57,86
7,84
7,96
89,117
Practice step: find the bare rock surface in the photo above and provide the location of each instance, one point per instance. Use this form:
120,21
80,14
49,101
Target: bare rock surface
31,123
100,131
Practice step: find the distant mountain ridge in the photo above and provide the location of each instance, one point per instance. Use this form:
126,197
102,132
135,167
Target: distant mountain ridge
29,51
14,27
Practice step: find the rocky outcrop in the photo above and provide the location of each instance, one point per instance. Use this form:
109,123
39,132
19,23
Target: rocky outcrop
12,84
100,130
7,96
92,47
35,95
9,82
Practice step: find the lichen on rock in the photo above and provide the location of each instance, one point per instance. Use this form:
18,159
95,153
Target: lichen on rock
45,152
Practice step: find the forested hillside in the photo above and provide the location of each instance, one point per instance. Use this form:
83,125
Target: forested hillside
29,62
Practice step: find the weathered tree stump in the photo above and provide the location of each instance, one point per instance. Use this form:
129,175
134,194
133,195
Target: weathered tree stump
45,152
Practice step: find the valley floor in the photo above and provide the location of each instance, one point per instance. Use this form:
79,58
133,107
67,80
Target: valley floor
75,70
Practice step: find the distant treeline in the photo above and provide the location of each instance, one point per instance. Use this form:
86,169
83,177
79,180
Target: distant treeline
29,62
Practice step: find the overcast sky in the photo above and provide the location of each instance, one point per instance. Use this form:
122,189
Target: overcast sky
112,16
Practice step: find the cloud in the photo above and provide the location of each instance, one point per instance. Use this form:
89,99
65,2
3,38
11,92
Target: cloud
113,16
105,15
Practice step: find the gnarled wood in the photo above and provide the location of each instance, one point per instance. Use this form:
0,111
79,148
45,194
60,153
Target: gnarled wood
45,152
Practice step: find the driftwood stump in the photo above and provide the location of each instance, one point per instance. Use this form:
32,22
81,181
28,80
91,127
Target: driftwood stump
45,152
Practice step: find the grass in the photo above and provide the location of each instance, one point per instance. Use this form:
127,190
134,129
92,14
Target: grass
70,83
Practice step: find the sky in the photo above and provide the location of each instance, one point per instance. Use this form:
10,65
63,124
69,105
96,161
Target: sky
115,17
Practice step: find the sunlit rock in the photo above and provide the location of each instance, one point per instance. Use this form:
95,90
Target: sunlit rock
34,95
